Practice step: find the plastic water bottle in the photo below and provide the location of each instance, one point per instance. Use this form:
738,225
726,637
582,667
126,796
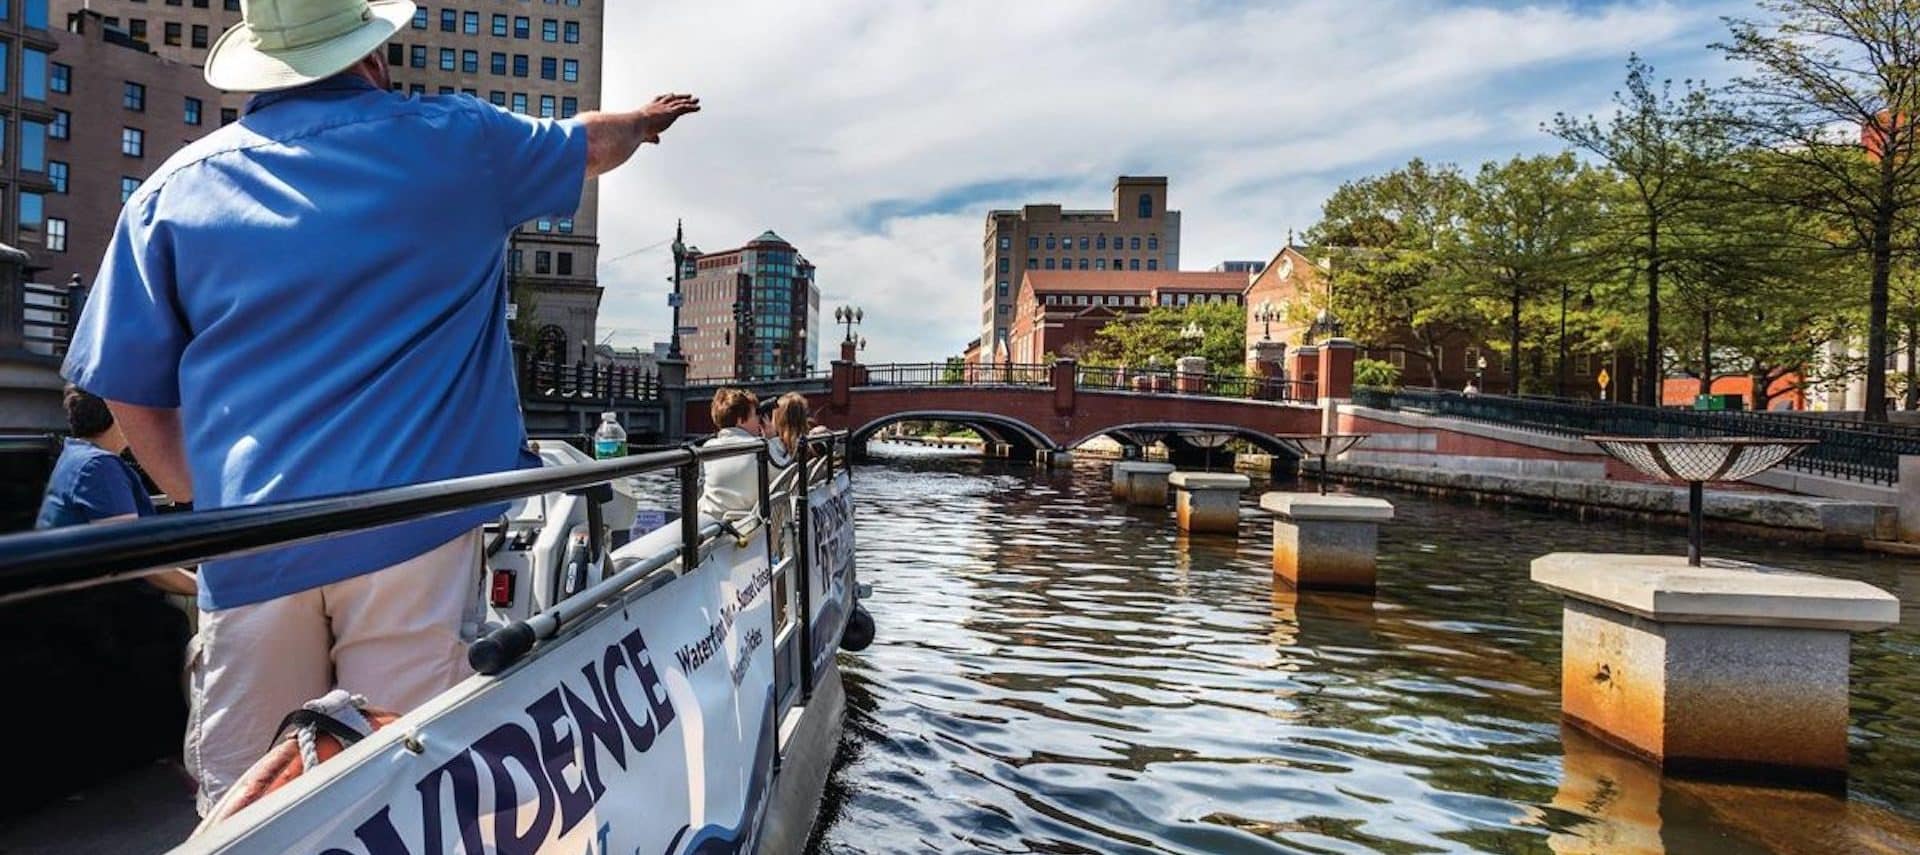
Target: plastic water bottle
611,439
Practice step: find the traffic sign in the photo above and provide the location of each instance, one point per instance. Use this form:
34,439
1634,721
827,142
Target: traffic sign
513,311
1604,378
673,300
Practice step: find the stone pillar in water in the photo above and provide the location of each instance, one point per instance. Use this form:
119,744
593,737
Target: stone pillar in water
1208,501
1726,668
1326,542
1138,482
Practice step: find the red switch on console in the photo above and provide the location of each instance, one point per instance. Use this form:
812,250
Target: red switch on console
502,594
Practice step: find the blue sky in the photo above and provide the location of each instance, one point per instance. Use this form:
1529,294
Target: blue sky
876,135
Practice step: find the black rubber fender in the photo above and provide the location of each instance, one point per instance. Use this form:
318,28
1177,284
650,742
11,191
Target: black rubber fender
859,631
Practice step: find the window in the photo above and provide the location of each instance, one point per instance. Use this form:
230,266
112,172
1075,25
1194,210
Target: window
133,96
1134,264
191,112
33,212
514,260
1153,264
56,235
542,261
470,61
499,63
229,115
1002,288
419,18
1135,244
231,5
470,93
498,98
570,70
33,74
569,106
1153,242
573,33
1033,263
565,265
33,146
416,89
35,14
133,142
446,90
1050,264
1099,264
522,27
170,33
1146,210
519,65
1006,243
199,35
520,102
1083,264
470,23
61,80
1118,264
1085,243
1003,309
57,175
549,68
449,58
137,28
417,56
565,225
1050,242
549,30
500,26
449,21
1100,243
546,106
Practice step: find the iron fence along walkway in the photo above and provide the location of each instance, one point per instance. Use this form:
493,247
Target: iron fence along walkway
1854,451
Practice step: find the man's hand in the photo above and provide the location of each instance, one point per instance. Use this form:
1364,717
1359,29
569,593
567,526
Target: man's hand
613,137
660,115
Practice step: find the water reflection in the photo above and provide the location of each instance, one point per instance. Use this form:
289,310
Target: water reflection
1058,673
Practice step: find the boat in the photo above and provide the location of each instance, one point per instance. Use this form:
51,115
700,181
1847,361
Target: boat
672,690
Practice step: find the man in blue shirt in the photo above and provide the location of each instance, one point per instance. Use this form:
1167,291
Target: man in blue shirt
312,301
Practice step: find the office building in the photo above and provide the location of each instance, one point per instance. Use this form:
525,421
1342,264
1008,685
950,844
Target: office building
34,319
754,312
1138,234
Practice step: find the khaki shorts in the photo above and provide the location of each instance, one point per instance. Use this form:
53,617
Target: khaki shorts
398,636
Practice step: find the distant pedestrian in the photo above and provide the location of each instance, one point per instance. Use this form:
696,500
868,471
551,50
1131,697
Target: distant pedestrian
1473,388
311,301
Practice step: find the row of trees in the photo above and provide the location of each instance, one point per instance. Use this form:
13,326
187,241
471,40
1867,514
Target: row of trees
1729,230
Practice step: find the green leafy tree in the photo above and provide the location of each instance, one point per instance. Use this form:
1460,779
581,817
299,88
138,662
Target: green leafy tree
1376,373
1663,148
1832,91
1160,336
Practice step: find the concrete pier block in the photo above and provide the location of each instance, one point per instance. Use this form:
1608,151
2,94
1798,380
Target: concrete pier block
1138,482
1728,668
1326,542
1055,459
1208,501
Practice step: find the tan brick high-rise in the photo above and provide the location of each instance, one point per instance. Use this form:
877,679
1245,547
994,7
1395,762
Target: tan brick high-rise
1139,233
540,57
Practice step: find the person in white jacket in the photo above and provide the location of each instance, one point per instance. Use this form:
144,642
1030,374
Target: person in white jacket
731,491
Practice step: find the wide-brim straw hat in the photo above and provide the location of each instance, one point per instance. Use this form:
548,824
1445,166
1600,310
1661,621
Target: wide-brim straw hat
280,44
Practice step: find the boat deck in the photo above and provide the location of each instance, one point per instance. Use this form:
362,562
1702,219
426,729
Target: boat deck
149,809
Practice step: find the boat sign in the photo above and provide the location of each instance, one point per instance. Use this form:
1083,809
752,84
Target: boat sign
648,728
831,525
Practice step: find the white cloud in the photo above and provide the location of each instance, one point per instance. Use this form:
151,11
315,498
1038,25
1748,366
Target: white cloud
815,112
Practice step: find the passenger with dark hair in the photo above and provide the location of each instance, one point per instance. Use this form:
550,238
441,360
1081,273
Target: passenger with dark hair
91,484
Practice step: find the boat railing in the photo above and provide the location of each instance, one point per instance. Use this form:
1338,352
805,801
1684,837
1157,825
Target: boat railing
46,562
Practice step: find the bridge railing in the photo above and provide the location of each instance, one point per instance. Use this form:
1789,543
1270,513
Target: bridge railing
1854,451
587,381
1164,381
944,374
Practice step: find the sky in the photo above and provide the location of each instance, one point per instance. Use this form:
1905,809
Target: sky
875,135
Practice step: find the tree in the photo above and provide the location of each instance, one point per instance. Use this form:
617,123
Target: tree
1664,149
1832,94
1521,237
1158,336
1386,235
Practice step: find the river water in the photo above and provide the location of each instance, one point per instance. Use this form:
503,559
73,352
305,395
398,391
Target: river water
1057,673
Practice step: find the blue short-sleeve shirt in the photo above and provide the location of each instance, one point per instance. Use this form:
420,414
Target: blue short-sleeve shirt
320,289
90,483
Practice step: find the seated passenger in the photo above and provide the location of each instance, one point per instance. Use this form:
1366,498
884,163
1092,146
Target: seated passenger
91,484
790,421
731,488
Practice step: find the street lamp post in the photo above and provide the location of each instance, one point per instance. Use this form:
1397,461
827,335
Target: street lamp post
1480,372
848,315
679,263
1266,315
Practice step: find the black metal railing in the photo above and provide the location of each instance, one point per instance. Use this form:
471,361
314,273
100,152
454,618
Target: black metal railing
792,379
588,382
1850,450
1170,382
945,374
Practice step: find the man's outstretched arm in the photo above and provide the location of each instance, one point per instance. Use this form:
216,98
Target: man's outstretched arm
614,137
159,443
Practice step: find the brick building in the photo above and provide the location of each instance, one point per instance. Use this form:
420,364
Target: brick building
1058,312
120,111
1137,234
540,57
754,311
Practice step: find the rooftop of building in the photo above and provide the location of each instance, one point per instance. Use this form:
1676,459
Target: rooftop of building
1133,282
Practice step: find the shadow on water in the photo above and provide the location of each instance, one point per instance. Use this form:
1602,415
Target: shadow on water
1055,673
